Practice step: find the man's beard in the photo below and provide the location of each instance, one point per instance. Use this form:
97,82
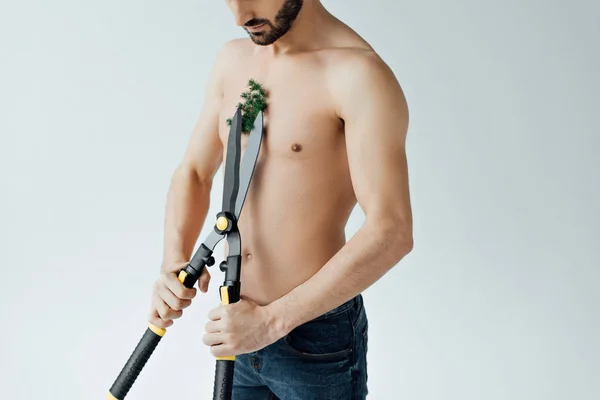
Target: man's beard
283,22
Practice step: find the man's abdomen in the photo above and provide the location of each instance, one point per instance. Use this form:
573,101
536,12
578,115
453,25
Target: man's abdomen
293,222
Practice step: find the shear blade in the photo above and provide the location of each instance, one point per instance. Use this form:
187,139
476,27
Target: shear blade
249,162
232,163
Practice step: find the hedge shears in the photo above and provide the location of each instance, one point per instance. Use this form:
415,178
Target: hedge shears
235,187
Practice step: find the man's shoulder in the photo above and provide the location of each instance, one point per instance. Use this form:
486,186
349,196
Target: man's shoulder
236,44
230,51
347,48
358,73
358,58
234,47
356,67
353,60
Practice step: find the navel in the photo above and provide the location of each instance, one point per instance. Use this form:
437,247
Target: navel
296,147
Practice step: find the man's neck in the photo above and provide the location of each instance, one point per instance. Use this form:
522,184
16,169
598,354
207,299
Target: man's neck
307,32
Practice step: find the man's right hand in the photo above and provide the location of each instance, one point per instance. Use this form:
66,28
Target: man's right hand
170,296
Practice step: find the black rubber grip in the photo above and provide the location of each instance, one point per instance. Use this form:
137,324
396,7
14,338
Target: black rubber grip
134,365
223,380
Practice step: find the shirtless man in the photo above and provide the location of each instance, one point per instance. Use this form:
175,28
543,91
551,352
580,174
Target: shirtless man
335,132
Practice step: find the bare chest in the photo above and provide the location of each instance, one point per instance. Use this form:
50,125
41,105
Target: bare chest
300,122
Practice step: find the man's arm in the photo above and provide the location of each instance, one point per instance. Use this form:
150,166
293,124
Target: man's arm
189,193
372,104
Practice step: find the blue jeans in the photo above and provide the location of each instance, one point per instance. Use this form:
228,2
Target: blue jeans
323,359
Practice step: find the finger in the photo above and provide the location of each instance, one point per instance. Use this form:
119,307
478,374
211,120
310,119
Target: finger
155,320
204,280
222,350
212,339
172,301
164,311
178,289
215,313
214,326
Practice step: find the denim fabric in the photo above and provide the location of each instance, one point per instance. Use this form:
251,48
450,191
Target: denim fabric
323,359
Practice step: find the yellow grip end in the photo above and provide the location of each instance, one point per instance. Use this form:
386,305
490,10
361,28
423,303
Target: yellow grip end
109,396
182,276
159,331
224,295
228,358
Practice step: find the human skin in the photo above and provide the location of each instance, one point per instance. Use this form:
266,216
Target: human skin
334,136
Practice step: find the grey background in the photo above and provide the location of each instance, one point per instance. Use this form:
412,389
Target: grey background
499,299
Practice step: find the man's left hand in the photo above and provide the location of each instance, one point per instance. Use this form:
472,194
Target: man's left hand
240,328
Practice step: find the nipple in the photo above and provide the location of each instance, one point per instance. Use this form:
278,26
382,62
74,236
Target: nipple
296,147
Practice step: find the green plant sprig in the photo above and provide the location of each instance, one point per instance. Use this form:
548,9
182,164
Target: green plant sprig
255,101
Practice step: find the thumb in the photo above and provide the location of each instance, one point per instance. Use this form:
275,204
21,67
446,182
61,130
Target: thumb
204,280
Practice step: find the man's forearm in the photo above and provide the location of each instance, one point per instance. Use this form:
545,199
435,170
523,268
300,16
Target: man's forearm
187,205
365,258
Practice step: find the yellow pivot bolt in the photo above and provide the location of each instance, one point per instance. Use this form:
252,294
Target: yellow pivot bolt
222,223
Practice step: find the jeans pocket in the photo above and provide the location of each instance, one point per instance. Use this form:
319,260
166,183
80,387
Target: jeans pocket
330,339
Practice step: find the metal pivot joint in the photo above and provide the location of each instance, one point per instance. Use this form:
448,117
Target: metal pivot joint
226,222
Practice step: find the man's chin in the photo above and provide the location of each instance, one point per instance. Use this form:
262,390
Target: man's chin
260,39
